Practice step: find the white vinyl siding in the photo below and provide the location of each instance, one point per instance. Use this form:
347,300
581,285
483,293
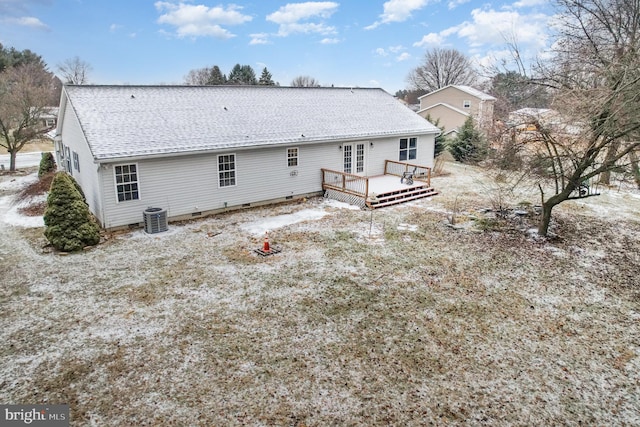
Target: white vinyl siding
87,173
187,184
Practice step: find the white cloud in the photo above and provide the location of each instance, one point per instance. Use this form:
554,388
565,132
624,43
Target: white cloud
493,27
431,39
293,18
29,21
114,27
259,38
397,11
391,49
529,3
199,20
396,49
403,57
330,41
455,3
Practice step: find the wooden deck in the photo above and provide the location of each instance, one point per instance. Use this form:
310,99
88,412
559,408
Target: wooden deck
386,190
378,191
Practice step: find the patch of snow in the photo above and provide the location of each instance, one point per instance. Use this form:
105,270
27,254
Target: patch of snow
407,227
339,205
19,182
15,218
141,234
263,225
556,251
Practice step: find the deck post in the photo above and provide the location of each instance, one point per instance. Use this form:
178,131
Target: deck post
344,182
429,177
366,188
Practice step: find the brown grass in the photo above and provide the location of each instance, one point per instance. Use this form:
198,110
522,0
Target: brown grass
422,326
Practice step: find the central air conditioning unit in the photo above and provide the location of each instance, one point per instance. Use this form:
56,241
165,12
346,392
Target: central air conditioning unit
155,220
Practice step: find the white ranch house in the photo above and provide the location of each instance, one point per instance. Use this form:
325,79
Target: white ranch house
197,150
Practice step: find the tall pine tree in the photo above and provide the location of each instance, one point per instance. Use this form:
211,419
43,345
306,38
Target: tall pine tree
266,78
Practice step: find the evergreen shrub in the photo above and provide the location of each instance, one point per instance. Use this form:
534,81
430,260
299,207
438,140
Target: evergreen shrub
70,226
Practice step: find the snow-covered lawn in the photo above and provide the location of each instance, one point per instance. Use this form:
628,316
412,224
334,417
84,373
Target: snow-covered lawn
383,318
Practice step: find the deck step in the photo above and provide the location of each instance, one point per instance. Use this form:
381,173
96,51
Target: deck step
401,196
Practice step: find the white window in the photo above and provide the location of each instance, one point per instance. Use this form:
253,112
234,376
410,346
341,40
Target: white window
408,148
227,170
292,157
348,158
76,161
466,104
127,187
67,159
359,158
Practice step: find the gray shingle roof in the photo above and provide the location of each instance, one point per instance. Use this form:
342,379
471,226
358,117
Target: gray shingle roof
467,89
132,121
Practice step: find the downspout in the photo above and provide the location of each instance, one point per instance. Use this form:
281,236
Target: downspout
100,192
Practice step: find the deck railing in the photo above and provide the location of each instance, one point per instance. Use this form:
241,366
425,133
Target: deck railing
422,173
355,185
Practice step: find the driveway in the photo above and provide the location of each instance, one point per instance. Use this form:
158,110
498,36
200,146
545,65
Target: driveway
23,160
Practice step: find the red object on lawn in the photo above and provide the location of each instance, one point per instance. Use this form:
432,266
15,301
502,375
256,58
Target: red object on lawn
265,247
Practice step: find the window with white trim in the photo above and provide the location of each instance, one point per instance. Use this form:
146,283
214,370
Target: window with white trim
227,170
76,161
466,104
408,149
67,159
292,157
127,186
347,158
359,158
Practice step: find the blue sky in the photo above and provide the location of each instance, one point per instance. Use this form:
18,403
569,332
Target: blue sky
344,43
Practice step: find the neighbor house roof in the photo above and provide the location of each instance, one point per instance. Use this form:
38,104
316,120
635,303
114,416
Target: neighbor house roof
468,89
445,105
135,121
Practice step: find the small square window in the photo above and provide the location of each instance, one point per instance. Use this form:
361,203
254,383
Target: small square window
466,104
408,149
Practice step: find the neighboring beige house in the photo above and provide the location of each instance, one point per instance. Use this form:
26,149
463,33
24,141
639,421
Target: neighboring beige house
453,104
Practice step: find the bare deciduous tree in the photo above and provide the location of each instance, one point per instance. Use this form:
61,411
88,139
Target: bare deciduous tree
595,77
440,68
75,71
207,76
24,92
305,81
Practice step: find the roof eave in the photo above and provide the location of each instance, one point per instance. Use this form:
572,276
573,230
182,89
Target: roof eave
118,158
